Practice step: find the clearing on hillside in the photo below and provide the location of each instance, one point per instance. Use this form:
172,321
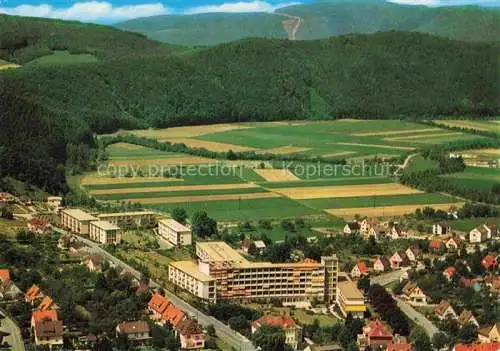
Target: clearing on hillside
62,58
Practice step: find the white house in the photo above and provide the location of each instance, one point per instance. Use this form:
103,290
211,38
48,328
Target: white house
445,311
440,229
480,234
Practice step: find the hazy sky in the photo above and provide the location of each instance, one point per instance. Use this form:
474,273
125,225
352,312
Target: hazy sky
109,11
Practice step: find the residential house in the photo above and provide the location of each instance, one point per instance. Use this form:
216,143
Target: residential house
453,243
293,332
8,289
436,246
404,276
94,263
399,259
37,316
54,202
173,315
441,228
397,232
399,347
467,317
350,300
382,264
359,270
258,244
365,225
478,347
375,335
413,294
191,335
130,220
467,282
493,283
445,311
137,332
489,333
482,233
76,220
39,226
66,241
47,304
449,272
47,329
34,293
414,253
490,262
377,231
4,277
351,228
453,212
157,306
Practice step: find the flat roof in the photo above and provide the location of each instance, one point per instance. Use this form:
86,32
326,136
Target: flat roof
79,214
118,214
105,225
173,224
219,251
350,291
191,268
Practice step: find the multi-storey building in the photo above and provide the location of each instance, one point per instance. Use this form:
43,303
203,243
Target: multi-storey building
174,232
105,233
127,220
230,276
350,299
77,220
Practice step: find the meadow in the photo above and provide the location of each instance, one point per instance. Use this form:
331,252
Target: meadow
476,177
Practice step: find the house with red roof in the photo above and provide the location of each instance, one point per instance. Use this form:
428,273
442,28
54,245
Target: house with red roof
191,335
359,270
157,306
173,315
490,262
4,277
449,272
34,293
445,311
47,304
375,335
478,347
293,332
39,226
39,316
436,245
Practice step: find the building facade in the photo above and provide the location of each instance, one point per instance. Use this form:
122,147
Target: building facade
128,220
350,300
174,232
222,273
76,220
105,233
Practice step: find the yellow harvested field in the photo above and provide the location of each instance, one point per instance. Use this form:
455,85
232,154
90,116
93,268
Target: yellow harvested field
285,150
95,180
395,132
376,146
276,175
127,146
337,154
210,145
186,132
204,198
482,152
385,211
405,138
175,188
479,125
9,66
325,192
164,161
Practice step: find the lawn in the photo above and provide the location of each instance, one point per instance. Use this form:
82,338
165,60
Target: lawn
375,201
466,225
10,227
253,209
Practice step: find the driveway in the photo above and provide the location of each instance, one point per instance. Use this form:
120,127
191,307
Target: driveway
14,339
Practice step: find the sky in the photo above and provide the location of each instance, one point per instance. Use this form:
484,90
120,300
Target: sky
111,11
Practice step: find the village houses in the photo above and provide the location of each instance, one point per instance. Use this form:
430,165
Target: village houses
414,295
48,330
137,332
414,253
399,259
39,226
293,332
441,228
445,311
449,272
453,243
382,264
352,228
467,317
482,233
359,269
375,335
489,333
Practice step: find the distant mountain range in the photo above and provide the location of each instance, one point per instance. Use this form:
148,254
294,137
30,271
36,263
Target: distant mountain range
322,20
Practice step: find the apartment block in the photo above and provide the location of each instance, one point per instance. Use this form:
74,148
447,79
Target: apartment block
174,232
76,220
350,299
130,220
105,232
236,278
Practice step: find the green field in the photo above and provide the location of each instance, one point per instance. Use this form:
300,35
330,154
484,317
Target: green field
243,210
374,201
466,225
476,177
62,58
327,182
126,151
418,163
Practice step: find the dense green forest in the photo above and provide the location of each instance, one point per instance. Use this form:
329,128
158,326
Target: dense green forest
141,83
322,19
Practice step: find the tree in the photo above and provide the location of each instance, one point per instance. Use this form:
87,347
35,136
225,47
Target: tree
210,330
25,237
468,333
202,225
420,340
288,226
269,338
6,212
238,323
180,215
440,340
364,284
265,224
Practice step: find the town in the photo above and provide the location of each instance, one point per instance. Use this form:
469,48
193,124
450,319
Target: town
66,282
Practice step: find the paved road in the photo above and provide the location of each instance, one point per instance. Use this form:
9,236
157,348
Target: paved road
417,317
234,339
387,278
14,339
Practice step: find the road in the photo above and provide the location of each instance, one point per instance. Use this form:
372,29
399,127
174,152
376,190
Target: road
387,278
14,339
234,339
405,163
417,317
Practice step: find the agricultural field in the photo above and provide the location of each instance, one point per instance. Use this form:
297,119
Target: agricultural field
486,125
248,190
476,177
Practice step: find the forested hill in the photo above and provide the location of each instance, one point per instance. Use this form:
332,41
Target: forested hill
323,19
59,99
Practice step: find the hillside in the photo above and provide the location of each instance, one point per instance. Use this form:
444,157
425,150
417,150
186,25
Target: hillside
386,75
322,20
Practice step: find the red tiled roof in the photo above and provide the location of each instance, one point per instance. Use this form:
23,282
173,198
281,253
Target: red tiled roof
377,330
173,315
489,261
46,303
5,276
49,329
38,223
32,293
39,316
478,347
399,347
362,267
450,271
278,321
158,303
435,244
